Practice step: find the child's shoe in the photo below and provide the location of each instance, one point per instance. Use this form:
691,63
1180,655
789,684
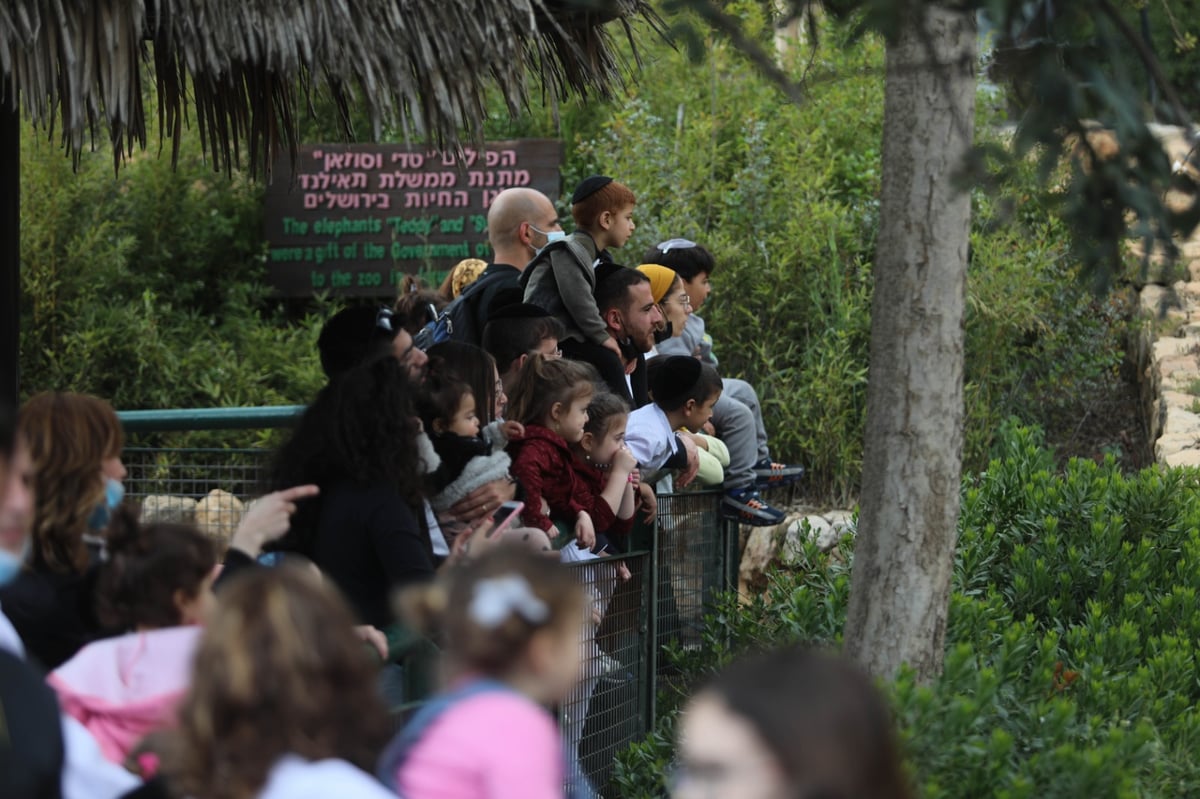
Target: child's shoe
746,506
768,474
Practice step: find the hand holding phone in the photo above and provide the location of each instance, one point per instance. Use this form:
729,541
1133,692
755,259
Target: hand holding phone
505,517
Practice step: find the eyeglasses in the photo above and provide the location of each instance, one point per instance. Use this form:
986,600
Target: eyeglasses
675,244
383,320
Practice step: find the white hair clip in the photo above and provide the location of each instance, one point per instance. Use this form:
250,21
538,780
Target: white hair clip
675,244
496,598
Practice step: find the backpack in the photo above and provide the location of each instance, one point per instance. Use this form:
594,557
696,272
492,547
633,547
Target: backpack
458,320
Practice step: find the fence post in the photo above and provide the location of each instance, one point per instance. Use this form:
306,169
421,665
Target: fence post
650,601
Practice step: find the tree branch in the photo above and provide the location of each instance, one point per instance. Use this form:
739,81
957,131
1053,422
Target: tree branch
1148,59
730,27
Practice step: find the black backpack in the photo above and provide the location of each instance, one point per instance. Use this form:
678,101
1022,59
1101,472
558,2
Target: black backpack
458,320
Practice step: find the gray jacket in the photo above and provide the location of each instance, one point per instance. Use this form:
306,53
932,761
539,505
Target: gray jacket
561,279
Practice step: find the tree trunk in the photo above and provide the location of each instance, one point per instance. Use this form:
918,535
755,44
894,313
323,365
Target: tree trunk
904,554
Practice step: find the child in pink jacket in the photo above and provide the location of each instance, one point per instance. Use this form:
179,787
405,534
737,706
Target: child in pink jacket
156,583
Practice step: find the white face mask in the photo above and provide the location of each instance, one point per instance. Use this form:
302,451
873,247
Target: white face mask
551,236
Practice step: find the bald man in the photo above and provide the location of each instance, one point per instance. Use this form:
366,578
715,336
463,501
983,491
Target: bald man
520,222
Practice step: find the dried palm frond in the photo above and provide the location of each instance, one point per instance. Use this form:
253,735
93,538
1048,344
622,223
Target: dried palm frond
246,66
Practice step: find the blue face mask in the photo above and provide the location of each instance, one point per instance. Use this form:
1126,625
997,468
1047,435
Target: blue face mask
10,564
114,492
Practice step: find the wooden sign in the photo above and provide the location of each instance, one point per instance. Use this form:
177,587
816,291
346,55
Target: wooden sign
354,219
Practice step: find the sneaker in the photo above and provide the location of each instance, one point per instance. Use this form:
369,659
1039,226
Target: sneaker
768,474
746,506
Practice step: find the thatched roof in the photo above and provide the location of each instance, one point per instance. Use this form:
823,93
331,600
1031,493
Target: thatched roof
251,66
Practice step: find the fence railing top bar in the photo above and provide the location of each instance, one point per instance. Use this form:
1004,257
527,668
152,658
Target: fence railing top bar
182,419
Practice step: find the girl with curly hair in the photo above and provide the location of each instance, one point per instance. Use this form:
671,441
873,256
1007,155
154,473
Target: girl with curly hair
358,442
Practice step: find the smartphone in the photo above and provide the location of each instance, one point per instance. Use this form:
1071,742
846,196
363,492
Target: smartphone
504,517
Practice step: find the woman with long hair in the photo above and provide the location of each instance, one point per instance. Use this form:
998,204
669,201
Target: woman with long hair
74,441
358,442
282,701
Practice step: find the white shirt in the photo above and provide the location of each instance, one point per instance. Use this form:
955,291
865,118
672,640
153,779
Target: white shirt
293,777
649,437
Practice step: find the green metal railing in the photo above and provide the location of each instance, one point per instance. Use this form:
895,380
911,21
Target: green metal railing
677,565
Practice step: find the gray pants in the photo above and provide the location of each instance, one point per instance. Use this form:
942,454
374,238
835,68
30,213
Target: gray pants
737,416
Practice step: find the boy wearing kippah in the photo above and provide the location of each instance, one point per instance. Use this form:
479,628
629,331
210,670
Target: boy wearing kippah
561,278
684,391
737,417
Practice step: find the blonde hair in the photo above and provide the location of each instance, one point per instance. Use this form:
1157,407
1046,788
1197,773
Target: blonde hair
279,671
492,644
69,437
543,383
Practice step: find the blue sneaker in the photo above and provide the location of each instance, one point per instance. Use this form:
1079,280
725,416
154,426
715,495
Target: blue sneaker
768,474
746,506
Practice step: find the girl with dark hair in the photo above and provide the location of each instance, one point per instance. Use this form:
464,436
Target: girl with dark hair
477,369
156,584
358,443
282,701
792,724
471,454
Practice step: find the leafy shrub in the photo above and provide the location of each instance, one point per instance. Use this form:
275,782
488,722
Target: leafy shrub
1071,642
147,288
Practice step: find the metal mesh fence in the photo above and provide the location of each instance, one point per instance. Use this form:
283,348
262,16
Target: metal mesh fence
607,711
692,550
207,487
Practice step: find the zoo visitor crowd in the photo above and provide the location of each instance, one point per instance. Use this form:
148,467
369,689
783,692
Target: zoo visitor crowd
468,443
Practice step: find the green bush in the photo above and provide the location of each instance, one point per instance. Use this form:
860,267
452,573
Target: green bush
1071,643
147,288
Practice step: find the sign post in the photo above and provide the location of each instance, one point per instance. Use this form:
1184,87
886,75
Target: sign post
354,219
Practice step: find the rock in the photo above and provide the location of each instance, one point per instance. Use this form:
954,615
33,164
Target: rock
1173,347
1170,445
167,508
1156,299
843,522
218,515
812,528
1187,457
761,548
1182,423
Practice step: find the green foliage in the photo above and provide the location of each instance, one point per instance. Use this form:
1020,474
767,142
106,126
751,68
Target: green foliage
1039,345
1071,643
147,288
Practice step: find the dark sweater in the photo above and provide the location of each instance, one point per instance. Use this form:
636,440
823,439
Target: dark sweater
55,614
369,543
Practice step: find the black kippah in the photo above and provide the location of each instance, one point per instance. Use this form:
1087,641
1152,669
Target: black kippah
589,186
517,310
606,269
674,378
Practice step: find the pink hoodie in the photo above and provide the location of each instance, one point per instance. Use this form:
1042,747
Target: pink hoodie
122,688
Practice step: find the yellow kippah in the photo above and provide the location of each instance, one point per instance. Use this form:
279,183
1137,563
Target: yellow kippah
661,279
465,272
